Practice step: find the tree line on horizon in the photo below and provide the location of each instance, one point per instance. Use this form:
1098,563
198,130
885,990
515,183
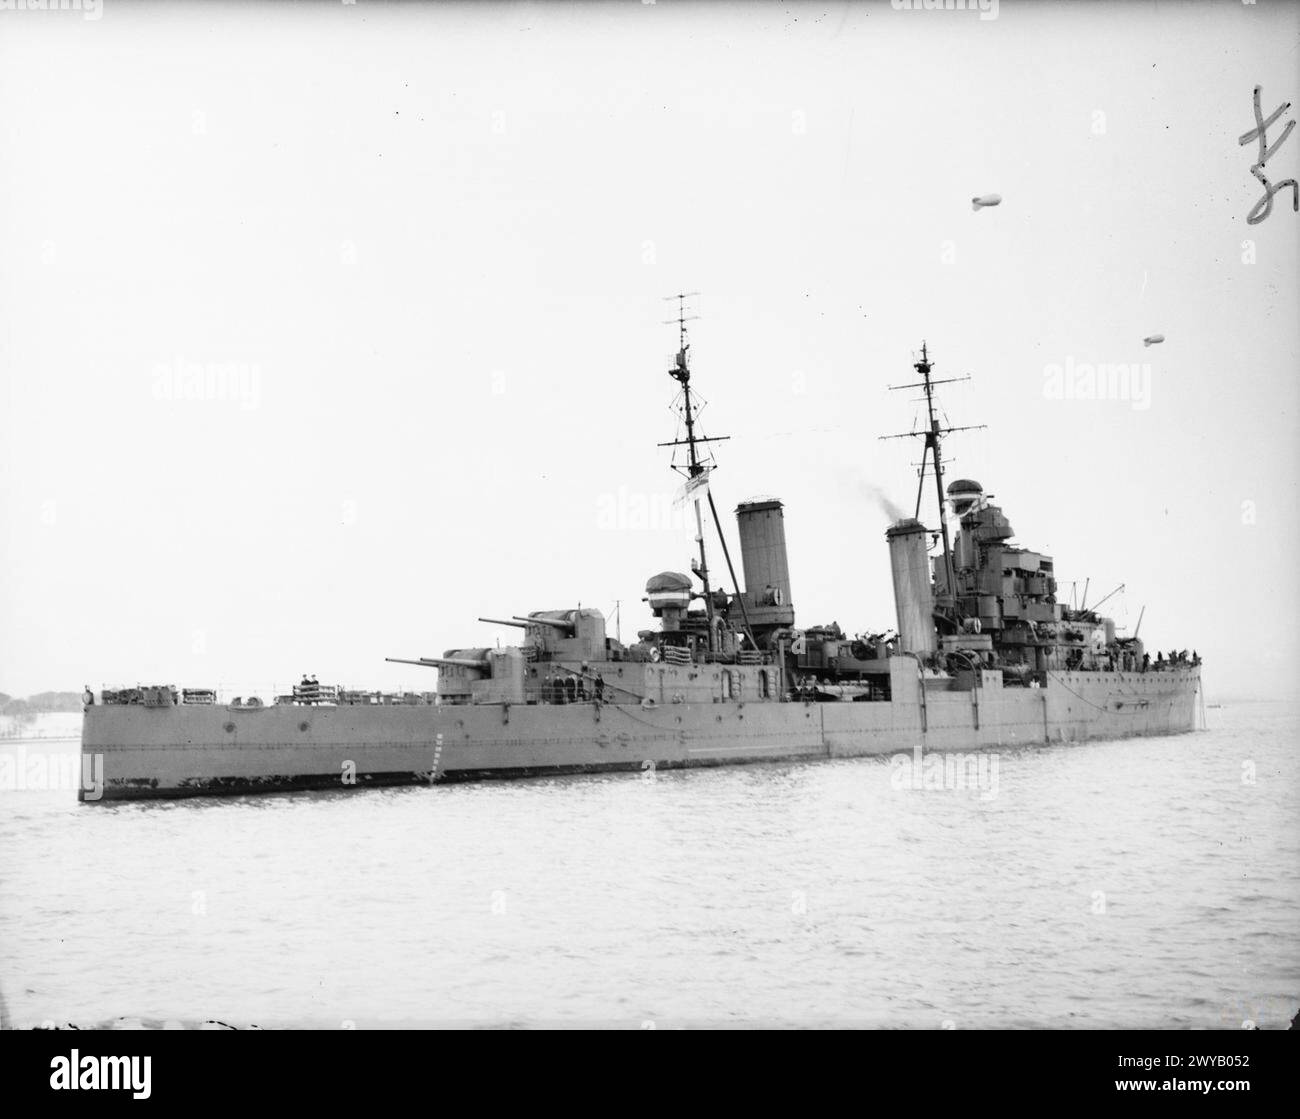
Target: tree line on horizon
41,703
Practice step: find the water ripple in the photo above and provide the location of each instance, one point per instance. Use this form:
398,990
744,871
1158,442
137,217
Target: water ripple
1139,883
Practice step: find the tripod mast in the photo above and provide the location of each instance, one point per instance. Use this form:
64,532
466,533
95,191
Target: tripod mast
933,435
681,372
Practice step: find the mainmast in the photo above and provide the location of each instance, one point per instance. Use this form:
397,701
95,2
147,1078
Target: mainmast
695,471
933,435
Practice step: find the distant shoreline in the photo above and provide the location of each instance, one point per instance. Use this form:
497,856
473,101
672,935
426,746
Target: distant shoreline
42,703
44,726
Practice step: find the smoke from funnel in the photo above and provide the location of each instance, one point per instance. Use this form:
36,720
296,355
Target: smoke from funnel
892,512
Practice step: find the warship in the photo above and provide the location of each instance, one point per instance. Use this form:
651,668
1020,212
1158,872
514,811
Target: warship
983,656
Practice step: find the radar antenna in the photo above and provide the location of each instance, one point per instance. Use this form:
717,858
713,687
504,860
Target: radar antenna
933,435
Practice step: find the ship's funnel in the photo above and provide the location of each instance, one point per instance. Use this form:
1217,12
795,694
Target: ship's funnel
762,551
913,593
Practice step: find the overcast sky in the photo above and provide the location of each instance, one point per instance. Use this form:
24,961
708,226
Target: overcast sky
417,260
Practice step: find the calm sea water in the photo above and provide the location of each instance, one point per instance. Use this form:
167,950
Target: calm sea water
1149,883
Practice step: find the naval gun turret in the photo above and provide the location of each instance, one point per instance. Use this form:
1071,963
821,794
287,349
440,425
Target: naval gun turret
577,635
569,635
458,671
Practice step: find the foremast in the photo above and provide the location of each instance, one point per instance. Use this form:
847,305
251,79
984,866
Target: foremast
697,473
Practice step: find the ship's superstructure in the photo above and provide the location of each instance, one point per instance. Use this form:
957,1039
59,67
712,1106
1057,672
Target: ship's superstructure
985,601
983,656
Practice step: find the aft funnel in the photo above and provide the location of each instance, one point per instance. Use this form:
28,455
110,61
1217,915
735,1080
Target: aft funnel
913,591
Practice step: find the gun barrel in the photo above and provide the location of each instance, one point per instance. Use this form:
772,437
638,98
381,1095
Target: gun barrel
438,662
503,622
556,622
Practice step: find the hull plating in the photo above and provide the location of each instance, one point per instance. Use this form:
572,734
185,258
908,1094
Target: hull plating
138,752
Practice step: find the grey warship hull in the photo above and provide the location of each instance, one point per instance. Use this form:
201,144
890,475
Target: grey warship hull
985,657
132,752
